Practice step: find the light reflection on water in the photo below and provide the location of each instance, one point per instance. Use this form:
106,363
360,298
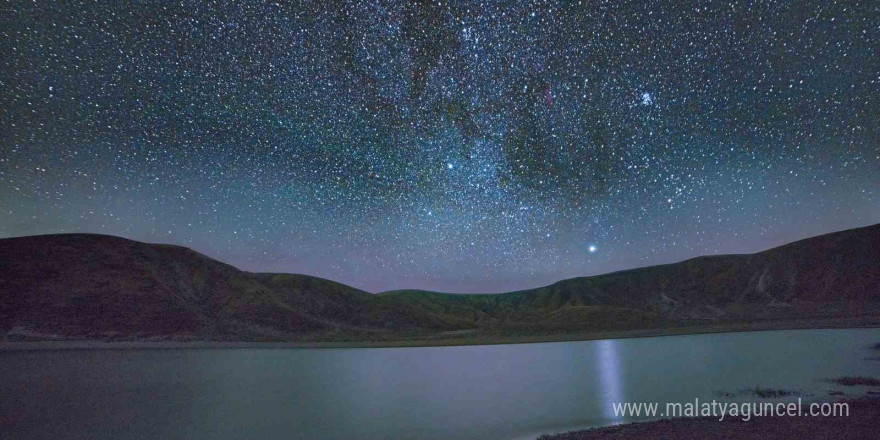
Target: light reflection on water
470,392
609,368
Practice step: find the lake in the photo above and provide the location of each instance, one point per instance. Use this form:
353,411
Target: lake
468,392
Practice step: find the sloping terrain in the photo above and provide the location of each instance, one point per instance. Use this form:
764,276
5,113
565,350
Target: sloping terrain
84,285
836,273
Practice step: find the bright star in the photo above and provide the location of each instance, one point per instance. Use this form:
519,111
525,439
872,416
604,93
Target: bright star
449,165
593,249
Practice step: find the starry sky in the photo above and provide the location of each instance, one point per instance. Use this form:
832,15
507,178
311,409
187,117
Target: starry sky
448,145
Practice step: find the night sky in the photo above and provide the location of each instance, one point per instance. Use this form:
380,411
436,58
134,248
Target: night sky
455,146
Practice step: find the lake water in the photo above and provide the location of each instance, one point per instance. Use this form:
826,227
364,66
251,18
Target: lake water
472,392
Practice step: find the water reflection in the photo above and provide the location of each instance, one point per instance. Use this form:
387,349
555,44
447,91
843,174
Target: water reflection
609,371
474,392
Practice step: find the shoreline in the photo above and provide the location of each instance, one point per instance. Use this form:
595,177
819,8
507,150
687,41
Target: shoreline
94,344
859,424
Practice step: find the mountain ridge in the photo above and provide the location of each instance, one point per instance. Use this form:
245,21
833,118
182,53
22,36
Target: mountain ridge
101,286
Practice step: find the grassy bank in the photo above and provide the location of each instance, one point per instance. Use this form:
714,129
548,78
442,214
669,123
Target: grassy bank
442,339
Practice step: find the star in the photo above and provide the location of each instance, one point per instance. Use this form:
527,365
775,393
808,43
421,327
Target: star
424,145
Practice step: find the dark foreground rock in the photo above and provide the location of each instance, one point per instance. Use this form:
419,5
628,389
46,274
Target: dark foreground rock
863,423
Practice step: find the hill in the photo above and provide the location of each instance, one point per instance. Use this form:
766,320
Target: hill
96,286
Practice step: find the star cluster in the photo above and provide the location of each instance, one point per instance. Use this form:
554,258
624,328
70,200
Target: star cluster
452,145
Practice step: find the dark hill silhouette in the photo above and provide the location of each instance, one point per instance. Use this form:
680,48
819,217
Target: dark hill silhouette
85,285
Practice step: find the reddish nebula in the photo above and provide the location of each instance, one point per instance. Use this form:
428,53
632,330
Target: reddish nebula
548,95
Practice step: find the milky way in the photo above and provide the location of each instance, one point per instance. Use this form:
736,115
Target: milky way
459,146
